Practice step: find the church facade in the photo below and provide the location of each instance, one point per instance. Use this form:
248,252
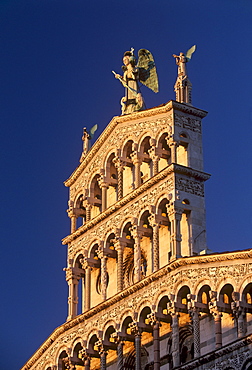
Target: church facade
144,290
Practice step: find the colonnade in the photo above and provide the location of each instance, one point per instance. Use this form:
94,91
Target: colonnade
169,310
87,262
104,178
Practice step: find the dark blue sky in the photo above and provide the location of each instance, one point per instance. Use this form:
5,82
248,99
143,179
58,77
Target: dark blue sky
56,62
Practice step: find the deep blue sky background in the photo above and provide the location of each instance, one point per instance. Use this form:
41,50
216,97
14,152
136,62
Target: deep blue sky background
56,61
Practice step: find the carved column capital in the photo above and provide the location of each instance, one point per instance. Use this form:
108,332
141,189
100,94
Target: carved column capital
134,328
119,163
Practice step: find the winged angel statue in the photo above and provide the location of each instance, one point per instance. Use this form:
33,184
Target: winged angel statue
143,71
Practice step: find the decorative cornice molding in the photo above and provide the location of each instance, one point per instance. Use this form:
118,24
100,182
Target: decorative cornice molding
131,117
172,168
117,298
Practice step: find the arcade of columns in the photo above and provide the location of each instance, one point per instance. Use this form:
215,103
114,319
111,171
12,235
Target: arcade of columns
139,193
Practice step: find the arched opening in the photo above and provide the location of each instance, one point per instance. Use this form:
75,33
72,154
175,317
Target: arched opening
146,246
95,264
76,359
182,296
225,297
81,284
163,315
247,301
128,172
63,362
229,329
182,150
80,211
185,227
164,233
110,343
186,344
111,176
146,165
93,351
95,196
204,295
111,264
163,152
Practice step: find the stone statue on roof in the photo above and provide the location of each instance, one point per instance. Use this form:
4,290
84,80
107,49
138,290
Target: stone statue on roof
183,86
135,72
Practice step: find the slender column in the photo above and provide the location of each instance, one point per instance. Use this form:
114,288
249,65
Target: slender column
153,154
73,223
239,314
104,187
72,281
119,165
218,332
214,310
137,166
103,258
137,333
73,219
87,287
120,355
155,160
104,277
241,323
152,320
196,331
175,332
155,240
137,253
156,343
173,146
138,351
85,358
88,212
175,215
87,363
119,248
103,355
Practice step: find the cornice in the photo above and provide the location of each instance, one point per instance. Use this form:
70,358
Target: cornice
172,168
195,260
164,108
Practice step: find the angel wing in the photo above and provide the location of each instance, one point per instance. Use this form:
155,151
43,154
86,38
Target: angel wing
147,70
92,130
190,52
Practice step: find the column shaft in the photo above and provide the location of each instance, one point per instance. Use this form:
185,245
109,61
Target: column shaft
196,333
175,340
156,345
72,298
138,351
104,277
137,259
120,182
241,323
87,363
119,268
137,174
120,356
104,197
103,360
218,332
73,223
155,247
87,287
